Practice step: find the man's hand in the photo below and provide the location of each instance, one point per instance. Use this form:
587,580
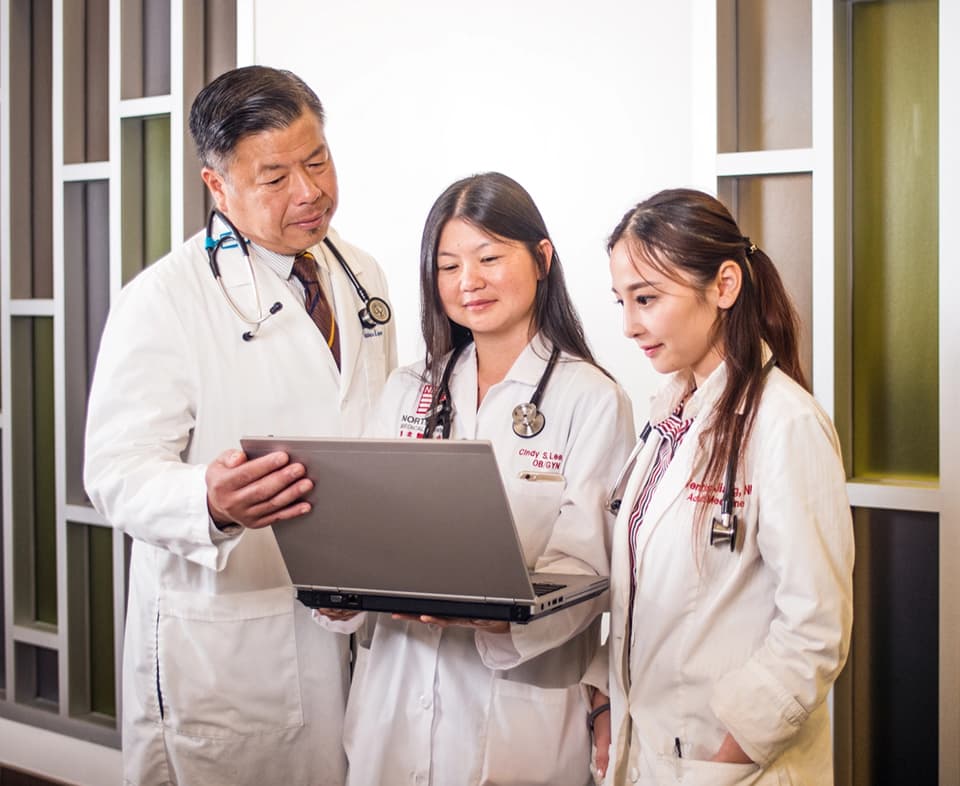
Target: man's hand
255,493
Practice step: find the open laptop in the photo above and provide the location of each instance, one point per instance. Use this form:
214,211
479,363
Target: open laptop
415,527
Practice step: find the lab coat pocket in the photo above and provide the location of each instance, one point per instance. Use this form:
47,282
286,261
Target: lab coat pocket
213,689
694,772
535,505
536,736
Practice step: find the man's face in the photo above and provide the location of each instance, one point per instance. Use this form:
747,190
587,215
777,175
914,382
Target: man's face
280,186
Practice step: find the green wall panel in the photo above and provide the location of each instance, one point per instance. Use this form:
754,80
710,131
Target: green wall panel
34,505
895,258
102,674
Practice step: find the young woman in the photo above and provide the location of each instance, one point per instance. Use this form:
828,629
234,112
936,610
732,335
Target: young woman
733,548
455,701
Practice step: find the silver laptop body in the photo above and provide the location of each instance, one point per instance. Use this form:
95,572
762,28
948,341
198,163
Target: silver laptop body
412,526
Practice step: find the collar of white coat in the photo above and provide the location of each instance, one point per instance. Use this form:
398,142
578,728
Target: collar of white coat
282,264
527,369
529,366
665,401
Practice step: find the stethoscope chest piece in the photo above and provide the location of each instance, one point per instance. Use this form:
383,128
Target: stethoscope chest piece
723,531
528,421
375,312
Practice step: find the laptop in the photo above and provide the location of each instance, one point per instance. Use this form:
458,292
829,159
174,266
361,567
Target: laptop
413,527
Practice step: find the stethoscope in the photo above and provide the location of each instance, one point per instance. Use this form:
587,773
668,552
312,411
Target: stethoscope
528,420
723,530
375,311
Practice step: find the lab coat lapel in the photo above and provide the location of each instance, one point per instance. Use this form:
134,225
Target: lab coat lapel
620,558
463,390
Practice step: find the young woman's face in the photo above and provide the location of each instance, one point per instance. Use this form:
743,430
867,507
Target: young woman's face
671,321
487,283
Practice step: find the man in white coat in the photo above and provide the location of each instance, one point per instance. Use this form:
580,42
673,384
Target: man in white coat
226,679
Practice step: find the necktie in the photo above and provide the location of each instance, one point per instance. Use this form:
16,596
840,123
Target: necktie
317,305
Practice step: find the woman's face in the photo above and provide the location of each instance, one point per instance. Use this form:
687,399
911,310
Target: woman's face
487,283
671,321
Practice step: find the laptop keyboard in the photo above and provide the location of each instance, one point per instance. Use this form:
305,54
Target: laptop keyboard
542,587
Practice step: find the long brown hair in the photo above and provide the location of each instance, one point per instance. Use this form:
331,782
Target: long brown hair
499,206
682,231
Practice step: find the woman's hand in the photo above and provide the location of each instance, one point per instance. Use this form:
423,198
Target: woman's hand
337,615
731,752
490,626
601,731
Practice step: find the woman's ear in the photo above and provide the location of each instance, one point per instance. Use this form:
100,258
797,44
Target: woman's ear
545,247
728,282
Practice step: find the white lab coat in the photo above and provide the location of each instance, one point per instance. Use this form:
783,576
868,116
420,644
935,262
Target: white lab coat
454,707
252,691
748,642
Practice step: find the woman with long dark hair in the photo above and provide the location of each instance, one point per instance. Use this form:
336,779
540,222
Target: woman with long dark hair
731,573
460,701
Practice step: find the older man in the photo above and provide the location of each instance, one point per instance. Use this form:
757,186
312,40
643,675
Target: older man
249,328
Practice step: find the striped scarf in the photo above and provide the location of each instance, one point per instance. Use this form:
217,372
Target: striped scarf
672,431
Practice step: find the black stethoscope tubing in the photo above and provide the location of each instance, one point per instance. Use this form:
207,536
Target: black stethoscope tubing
529,417
723,530
375,311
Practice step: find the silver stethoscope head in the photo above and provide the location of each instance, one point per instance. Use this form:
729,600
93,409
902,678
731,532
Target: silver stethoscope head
528,420
723,530
212,246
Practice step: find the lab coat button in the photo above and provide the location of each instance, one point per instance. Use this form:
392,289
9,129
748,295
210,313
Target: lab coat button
425,702
634,775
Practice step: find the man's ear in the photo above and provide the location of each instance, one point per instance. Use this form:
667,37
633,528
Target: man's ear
215,182
728,282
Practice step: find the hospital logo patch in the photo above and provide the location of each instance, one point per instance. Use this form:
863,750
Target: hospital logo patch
426,397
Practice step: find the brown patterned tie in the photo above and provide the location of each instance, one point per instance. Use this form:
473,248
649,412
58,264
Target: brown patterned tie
317,305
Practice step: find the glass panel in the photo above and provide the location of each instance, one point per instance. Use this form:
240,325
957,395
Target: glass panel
90,579
895,249
3,604
34,500
38,682
893,670
220,38
31,169
145,48
764,75
85,31
86,292
210,48
102,675
775,211
145,185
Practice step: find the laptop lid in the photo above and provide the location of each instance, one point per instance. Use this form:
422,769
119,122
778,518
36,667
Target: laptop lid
402,516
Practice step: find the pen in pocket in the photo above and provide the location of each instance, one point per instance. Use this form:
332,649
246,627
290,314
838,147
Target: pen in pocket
676,747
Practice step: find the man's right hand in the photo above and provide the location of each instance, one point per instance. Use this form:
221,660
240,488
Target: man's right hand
255,493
